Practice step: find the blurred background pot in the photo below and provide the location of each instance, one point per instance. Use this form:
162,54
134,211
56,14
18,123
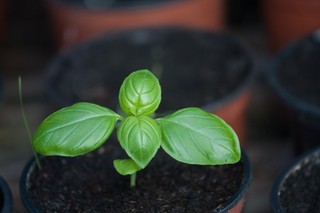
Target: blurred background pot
294,77
77,20
195,68
289,20
296,188
5,197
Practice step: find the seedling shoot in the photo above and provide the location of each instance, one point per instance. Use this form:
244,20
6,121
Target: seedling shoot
189,135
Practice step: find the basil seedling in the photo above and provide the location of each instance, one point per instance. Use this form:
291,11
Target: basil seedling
190,135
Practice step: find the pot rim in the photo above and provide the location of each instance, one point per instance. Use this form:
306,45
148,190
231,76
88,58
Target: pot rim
24,196
7,196
244,186
290,100
232,202
274,196
117,6
242,87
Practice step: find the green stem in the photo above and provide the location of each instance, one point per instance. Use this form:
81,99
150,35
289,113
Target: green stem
133,179
26,124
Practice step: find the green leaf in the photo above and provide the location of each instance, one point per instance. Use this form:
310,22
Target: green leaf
194,136
140,137
126,166
74,130
140,93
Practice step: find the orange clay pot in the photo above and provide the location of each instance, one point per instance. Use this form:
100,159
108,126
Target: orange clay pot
72,24
289,20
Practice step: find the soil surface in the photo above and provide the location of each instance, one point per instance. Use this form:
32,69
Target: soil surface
195,68
300,192
91,184
299,71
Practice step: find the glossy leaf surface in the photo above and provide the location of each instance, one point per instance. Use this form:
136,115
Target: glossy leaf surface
74,130
140,137
140,93
195,136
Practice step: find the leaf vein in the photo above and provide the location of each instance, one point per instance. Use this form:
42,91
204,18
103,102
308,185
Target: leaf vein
70,124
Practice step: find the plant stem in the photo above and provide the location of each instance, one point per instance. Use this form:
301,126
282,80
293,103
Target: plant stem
26,124
133,178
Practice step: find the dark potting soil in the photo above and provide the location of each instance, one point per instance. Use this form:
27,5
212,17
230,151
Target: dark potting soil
300,192
91,184
299,71
195,68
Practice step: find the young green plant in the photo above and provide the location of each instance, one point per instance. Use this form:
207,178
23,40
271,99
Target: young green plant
190,135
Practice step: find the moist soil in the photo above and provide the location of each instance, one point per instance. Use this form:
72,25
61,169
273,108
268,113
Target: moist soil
300,192
90,184
195,68
299,71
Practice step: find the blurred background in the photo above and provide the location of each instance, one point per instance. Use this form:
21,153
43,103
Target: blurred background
33,33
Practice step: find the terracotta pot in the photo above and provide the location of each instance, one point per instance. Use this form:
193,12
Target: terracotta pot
289,20
5,197
294,77
198,68
30,172
295,189
73,23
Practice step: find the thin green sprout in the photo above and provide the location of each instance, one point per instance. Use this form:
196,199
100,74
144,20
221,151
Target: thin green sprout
26,124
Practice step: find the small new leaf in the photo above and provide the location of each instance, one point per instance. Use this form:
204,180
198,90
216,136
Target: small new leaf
195,136
140,137
74,130
140,93
126,166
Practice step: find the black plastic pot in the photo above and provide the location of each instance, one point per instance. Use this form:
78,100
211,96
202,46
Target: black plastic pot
234,204
296,188
294,77
5,197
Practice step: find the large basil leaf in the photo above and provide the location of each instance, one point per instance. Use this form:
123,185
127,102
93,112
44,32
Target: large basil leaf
140,93
195,136
74,130
140,137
